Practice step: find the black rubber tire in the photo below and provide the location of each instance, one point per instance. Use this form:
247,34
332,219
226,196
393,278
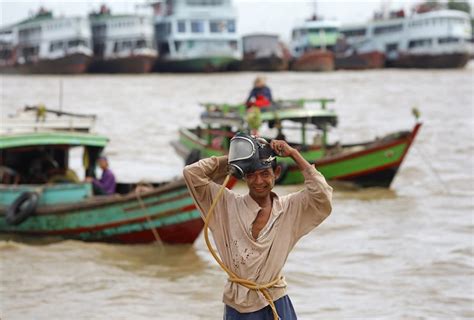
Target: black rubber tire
194,156
284,171
22,208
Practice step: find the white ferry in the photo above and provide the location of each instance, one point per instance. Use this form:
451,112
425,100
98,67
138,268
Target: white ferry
122,43
196,35
312,44
47,44
425,39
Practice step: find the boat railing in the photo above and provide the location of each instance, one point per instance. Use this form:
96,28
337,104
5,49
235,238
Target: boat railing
39,118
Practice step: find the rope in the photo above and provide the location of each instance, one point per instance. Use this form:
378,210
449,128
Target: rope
263,288
147,215
443,184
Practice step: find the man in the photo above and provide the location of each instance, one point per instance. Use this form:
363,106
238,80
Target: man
106,184
260,96
254,233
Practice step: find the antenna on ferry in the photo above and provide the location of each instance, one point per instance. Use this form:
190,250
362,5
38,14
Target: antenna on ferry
60,94
315,10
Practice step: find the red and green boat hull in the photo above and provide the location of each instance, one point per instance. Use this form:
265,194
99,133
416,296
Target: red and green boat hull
372,164
168,210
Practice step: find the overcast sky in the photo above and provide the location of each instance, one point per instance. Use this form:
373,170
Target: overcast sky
276,16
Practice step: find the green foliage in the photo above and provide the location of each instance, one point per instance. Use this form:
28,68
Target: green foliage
461,5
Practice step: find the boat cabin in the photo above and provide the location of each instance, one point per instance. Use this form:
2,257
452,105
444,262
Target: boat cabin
43,157
291,120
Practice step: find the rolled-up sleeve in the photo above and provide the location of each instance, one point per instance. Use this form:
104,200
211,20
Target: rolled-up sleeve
203,180
310,206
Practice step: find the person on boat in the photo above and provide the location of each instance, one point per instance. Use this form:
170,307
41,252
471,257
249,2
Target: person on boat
261,95
106,184
254,233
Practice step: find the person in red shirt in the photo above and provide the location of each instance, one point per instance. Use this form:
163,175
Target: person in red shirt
261,95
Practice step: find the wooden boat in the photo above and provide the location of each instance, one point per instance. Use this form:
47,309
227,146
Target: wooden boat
40,196
263,52
314,60
366,164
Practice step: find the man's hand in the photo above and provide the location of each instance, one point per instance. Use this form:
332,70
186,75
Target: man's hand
282,148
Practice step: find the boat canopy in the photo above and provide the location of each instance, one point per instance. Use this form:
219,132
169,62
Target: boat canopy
320,118
51,138
292,110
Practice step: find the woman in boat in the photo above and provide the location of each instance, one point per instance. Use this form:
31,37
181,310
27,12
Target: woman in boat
261,95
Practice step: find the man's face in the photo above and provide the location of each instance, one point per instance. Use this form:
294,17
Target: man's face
261,182
102,163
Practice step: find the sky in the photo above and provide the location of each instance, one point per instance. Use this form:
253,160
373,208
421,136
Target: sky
272,16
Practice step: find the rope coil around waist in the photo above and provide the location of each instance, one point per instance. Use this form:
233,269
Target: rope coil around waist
263,288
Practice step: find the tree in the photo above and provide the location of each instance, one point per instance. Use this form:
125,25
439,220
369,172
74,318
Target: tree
461,5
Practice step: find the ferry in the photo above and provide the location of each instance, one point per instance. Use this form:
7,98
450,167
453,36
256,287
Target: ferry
196,35
7,49
425,39
122,43
47,44
312,45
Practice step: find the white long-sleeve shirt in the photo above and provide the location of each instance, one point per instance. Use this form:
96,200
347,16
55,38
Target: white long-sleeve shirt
259,260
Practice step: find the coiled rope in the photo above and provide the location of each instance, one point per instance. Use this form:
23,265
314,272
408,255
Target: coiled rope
263,288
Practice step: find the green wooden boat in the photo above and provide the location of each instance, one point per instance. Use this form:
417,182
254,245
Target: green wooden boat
366,164
34,168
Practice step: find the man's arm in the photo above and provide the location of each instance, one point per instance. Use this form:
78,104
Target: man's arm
313,204
203,179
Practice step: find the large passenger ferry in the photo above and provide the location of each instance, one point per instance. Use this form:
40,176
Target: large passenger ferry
122,43
425,39
196,35
47,44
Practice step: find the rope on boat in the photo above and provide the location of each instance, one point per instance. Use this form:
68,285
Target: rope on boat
437,175
147,214
263,288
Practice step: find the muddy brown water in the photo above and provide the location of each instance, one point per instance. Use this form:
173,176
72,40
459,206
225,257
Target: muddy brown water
402,253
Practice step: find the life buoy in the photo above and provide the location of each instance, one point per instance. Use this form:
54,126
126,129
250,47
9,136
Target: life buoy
23,207
284,171
194,156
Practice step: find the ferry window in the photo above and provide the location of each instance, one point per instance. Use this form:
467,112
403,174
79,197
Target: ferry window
73,43
448,40
197,26
162,30
126,45
58,45
388,29
217,26
231,26
391,47
419,43
181,26
163,48
354,32
177,45
233,45
141,44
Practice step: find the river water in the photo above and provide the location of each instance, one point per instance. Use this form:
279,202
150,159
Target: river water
402,253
